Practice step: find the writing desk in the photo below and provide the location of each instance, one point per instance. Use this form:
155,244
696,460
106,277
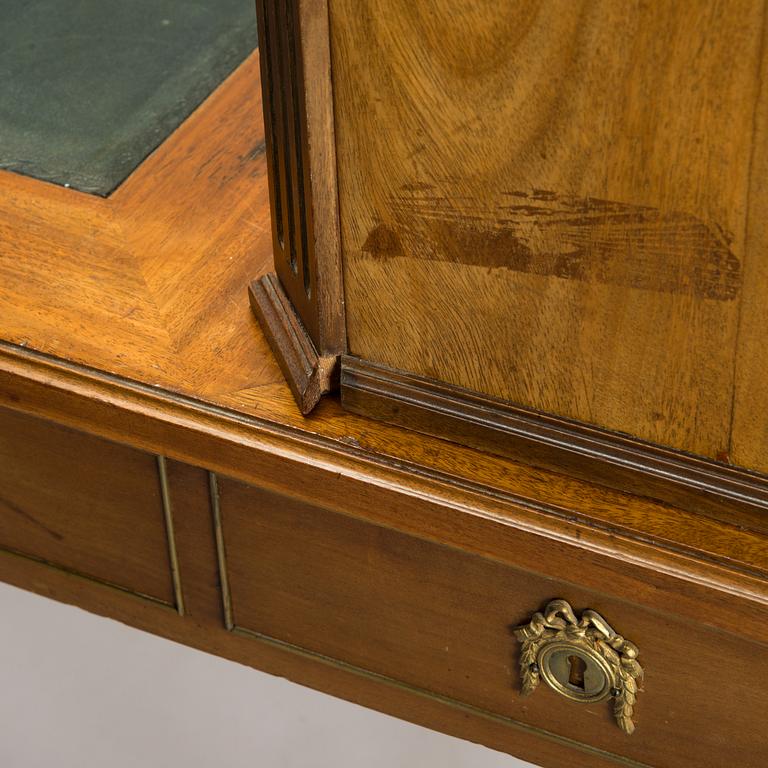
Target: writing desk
155,469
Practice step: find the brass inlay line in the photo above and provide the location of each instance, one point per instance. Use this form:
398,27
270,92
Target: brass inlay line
170,534
86,577
226,599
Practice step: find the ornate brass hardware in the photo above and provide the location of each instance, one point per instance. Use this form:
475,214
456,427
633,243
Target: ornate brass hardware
582,659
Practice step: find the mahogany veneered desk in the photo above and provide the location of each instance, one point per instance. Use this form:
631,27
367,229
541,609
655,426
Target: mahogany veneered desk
154,468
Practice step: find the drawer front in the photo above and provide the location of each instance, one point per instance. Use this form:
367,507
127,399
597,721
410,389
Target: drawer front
84,504
440,620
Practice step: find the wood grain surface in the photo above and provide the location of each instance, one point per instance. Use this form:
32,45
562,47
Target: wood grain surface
87,345
151,282
439,620
750,409
108,327
83,504
546,202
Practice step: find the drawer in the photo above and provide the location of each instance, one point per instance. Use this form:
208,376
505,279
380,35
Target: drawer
85,505
439,621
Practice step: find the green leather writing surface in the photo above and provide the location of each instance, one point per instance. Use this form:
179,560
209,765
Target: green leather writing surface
88,88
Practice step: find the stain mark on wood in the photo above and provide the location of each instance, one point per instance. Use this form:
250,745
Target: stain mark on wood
543,233
383,242
257,151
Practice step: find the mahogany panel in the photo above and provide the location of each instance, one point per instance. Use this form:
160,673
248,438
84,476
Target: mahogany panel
84,504
439,620
305,669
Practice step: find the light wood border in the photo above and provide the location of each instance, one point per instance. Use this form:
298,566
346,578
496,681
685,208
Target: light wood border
178,603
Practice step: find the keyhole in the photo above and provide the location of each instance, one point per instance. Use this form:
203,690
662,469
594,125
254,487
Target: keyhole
578,667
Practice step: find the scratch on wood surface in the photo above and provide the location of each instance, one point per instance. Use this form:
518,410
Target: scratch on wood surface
15,508
543,233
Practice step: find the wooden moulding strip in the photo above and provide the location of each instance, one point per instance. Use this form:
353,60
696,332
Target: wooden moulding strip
617,461
523,533
173,558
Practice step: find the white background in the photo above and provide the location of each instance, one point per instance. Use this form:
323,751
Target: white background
81,691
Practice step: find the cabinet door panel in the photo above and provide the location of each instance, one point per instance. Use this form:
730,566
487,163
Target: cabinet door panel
546,202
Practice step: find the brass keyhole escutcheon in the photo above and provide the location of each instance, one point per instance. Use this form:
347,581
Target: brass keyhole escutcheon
583,659
576,672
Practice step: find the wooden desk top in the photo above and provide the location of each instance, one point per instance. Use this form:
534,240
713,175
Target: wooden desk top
128,317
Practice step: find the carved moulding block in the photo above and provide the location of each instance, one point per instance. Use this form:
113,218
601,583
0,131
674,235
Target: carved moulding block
309,374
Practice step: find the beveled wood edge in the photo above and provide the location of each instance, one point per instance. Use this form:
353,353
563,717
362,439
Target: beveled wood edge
309,374
335,475
618,461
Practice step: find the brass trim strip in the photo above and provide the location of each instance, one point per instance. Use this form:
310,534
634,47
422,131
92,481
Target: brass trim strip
431,696
85,577
226,597
162,472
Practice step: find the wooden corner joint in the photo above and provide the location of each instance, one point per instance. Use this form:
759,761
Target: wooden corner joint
310,374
